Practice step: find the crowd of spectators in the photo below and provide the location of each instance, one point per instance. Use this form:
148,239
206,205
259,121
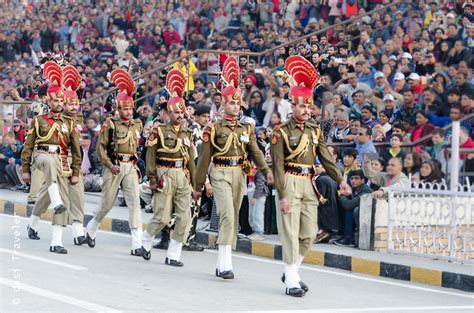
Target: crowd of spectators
398,76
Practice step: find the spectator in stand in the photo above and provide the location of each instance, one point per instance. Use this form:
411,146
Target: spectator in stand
393,177
367,117
364,142
395,150
257,206
350,204
341,130
422,129
409,109
349,159
430,173
19,131
411,166
9,159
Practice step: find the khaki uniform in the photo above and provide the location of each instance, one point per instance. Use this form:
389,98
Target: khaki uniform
123,137
228,144
170,162
294,149
46,146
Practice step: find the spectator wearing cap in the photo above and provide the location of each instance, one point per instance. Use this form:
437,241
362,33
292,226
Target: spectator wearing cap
399,82
250,82
414,82
275,103
364,142
389,106
350,203
408,110
350,86
341,129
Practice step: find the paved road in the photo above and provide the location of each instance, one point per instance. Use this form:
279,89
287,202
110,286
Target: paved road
108,279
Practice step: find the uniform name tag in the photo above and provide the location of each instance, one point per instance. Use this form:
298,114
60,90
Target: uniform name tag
244,138
64,129
186,142
315,139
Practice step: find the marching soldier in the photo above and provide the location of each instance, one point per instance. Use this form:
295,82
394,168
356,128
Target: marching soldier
75,203
117,151
170,167
49,139
294,148
72,80
228,142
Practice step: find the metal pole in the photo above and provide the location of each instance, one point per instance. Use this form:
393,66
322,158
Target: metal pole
455,155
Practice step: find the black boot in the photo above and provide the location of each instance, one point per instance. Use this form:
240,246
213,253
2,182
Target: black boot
193,247
302,284
145,254
295,292
90,241
58,249
136,252
79,241
225,274
173,262
32,234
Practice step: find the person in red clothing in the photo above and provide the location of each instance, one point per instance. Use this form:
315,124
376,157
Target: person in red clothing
19,130
423,128
466,142
171,36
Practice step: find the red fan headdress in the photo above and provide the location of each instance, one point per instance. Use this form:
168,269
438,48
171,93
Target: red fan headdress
175,85
126,87
231,76
53,73
305,76
71,82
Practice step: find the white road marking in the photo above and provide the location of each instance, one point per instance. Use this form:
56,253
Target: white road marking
372,309
37,258
56,296
354,276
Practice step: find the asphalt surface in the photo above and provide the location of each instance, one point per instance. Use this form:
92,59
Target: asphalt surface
108,279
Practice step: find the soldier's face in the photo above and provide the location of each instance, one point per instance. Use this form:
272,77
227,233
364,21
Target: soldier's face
125,113
301,112
56,104
71,108
232,107
176,117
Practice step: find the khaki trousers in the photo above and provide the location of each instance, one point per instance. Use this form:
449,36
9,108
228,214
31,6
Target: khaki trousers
128,180
297,229
48,166
37,179
175,195
229,185
76,201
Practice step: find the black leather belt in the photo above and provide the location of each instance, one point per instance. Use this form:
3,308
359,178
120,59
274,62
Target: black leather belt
49,149
299,170
127,157
170,163
231,162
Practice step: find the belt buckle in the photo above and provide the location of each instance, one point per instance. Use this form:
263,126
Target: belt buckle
233,162
126,158
179,163
305,170
52,149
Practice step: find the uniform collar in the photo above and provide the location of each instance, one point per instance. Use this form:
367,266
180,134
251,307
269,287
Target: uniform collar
297,124
54,115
